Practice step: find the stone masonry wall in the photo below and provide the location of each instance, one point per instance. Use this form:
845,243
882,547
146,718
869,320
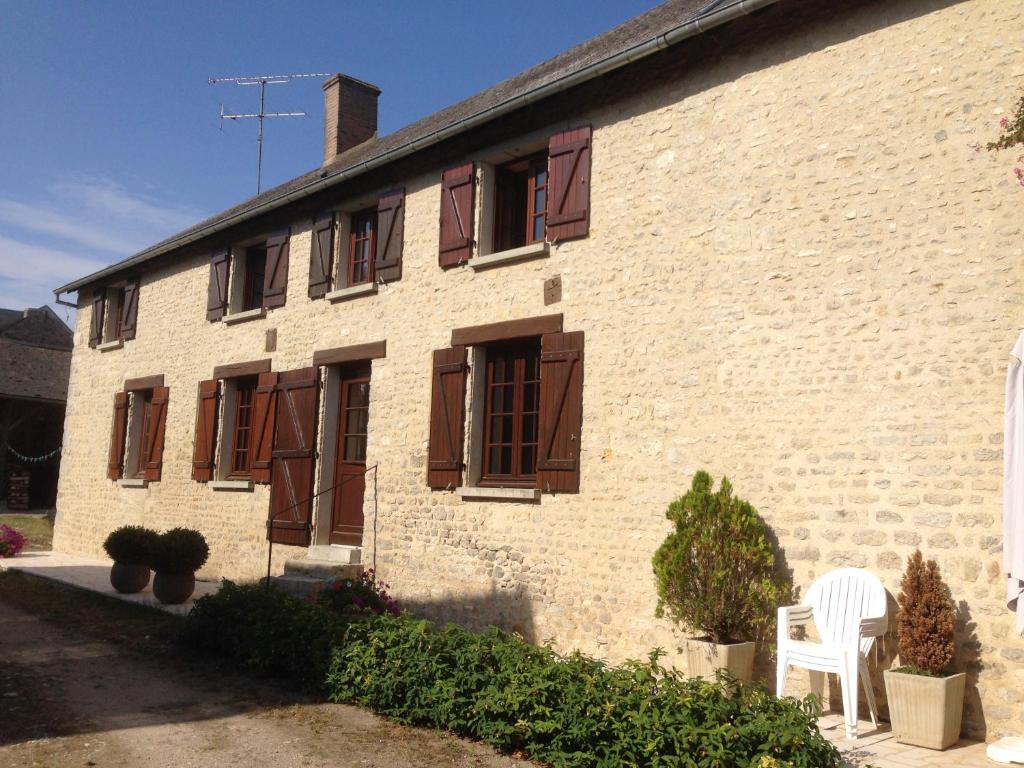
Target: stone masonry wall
799,274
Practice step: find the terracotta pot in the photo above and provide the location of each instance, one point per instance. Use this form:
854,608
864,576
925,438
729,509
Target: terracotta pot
703,658
173,588
128,578
925,711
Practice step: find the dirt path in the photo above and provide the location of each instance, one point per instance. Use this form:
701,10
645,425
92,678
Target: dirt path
69,700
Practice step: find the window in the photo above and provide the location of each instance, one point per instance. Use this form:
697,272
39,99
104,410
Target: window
137,438
253,275
240,450
511,410
525,414
362,246
114,312
520,202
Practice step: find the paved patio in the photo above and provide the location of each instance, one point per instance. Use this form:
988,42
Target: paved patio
94,576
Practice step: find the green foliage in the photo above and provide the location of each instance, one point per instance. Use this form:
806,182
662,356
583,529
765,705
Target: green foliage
567,710
179,551
131,545
266,632
926,618
716,571
1012,136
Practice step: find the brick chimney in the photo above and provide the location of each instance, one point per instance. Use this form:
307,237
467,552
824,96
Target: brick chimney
350,114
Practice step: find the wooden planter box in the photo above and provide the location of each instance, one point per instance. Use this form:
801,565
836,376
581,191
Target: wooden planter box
925,711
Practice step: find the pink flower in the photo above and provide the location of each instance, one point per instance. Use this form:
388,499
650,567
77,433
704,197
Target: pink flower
1004,123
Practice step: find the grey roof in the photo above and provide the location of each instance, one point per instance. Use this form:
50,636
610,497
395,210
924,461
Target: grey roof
35,354
639,31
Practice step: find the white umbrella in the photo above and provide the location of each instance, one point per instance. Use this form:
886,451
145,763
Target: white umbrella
1013,483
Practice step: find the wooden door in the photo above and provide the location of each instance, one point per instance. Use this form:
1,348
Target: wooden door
350,470
292,460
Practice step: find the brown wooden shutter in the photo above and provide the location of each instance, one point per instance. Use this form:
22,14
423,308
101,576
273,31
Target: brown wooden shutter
264,411
275,279
390,234
206,431
99,299
217,293
321,258
561,411
568,214
456,239
153,450
115,462
447,417
130,310
291,484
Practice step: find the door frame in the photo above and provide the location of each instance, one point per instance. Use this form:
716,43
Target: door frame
328,458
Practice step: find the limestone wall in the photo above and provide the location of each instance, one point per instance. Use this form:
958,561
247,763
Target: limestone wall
799,273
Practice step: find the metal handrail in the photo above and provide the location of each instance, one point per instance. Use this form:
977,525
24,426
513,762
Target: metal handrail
272,518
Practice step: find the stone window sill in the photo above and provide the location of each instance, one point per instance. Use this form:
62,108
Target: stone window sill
242,317
107,346
531,251
502,494
231,485
133,482
344,294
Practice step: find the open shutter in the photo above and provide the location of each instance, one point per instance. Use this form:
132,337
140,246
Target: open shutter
561,411
291,483
206,431
154,447
264,411
456,240
568,214
130,310
275,279
390,233
115,463
447,401
321,258
99,299
217,293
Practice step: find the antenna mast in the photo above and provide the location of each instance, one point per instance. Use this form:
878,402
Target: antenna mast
262,81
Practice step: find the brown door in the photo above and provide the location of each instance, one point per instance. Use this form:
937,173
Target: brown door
291,476
350,470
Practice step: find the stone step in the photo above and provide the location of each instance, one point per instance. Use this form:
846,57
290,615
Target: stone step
335,554
299,586
322,569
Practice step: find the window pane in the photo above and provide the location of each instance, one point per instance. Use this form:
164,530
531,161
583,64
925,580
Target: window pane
358,395
355,448
529,464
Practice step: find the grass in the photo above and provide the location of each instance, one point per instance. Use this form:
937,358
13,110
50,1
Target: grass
37,529
105,618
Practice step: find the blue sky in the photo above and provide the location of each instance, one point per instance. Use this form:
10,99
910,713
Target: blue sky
109,127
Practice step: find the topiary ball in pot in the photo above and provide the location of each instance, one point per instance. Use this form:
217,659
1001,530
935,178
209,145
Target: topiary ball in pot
178,554
716,574
131,549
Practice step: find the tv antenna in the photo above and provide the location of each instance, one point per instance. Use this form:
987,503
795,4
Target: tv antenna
262,81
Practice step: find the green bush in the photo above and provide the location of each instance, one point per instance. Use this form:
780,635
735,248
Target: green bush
267,632
179,551
716,571
131,545
494,687
571,710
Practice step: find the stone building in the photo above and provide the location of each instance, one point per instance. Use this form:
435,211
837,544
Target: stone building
35,362
754,238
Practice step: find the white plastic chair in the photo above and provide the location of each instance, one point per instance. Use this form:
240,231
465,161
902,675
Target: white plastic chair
849,608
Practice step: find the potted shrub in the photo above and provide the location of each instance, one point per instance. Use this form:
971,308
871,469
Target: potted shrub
716,574
130,547
926,703
178,554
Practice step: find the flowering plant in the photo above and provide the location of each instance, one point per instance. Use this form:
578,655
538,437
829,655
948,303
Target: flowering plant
365,593
11,541
1012,136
